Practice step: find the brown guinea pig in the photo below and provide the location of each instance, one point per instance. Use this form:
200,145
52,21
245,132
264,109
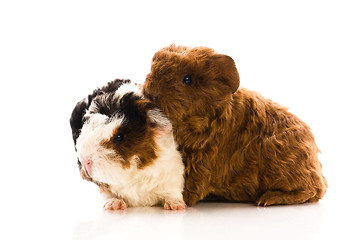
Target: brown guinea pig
235,143
125,145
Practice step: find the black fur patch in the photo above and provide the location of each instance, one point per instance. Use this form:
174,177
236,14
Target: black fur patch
76,119
121,106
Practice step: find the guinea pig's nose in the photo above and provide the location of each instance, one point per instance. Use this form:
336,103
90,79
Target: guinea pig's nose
154,98
87,163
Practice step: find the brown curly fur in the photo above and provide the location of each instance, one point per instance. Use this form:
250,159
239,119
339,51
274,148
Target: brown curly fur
236,144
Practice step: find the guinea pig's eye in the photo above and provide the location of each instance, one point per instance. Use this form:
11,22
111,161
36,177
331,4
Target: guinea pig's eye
187,80
119,138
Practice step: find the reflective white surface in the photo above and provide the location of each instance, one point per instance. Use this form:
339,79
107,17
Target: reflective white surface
69,208
209,221
224,221
58,220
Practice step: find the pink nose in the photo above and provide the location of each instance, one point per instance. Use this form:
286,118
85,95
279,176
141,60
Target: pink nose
87,163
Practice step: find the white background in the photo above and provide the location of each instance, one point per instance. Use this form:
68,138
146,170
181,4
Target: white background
303,54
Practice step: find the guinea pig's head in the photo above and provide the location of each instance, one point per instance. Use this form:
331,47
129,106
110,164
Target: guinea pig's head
119,134
77,115
190,81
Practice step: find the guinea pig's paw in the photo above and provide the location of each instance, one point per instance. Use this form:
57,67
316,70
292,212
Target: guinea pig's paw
271,198
280,197
190,198
115,204
172,204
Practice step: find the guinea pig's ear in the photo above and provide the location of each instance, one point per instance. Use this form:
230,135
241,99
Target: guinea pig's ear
76,119
226,68
158,122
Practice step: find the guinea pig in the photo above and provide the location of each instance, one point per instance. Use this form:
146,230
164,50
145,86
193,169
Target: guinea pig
125,145
235,143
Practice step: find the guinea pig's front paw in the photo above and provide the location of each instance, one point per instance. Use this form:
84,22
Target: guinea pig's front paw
115,204
171,204
190,198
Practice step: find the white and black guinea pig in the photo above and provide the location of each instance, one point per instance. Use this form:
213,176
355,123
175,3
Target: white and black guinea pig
125,145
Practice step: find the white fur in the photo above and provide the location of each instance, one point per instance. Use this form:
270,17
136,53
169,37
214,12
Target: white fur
159,182
129,87
162,180
93,132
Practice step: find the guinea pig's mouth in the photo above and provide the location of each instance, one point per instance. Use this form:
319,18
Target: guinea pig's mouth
83,172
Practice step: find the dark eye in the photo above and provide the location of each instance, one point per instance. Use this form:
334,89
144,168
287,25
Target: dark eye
187,80
119,138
